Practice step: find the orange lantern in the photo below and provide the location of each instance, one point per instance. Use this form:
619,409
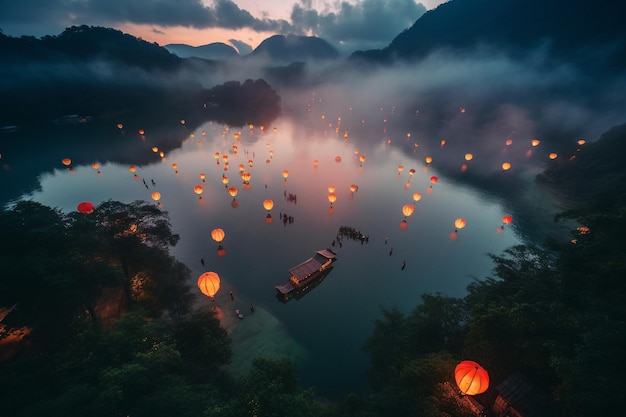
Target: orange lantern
268,204
434,179
156,196
471,378
233,191
553,155
209,284
506,166
331,189
85,207
429,159
202,176
132,168
141,132
218,235
332,197
245,176
66,161
417,197
408,209
469,156
337,159
459,223
198,189
353,188
535,142
507,218
285,174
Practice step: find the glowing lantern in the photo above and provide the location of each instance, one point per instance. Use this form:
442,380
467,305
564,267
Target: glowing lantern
400,169
535,142
553,155
459,223
216,155
225,181
332,197
581,142
218,235
353,188
442,143
507,218
233,191
245,176
202,176
156,196
434,179
182,121
429,159
198,189
174,167
141,132
471,378
285,174
268,204
331,189
225,158
408,209
469,156
508,142
66,161
209,284
85,207
155,149
337,159
316,163
120,126
506,166
95,165
362,158
417,197
132,168
411,172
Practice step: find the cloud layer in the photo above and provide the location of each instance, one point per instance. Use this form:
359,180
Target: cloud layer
364,24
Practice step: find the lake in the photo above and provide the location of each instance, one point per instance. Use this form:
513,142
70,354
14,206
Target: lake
323,331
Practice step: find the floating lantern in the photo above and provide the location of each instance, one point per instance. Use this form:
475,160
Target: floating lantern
85,207
408,210
209,284
66,161
218,235
459,224
471,378
506,166
156,196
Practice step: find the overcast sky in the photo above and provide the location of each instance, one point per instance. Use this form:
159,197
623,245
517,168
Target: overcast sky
348,25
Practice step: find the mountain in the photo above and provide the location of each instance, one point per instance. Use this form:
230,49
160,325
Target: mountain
293,48
574,30
212,51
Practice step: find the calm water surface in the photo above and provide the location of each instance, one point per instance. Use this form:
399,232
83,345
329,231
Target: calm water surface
325,330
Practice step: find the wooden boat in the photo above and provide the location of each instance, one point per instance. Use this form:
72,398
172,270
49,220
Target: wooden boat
307,275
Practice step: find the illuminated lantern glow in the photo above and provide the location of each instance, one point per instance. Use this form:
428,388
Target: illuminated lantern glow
120,126
471,378
233,191
469,156
337,159
182,121
66,161
202,176
218,235
245,176
553,155
362,158
408,210
459,223
506,166
268,204
434,179
156,196
316,163
353,188
142,132
507,219
285,174
132,168
417,197
535,142
155,149
209,284
225,180
411,172
429,159
198,189
331,189
581,142
400,168
85,207
508,142
95,165
174,167
442,143
332,197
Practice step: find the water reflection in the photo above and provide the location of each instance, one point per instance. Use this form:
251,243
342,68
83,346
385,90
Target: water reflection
403,257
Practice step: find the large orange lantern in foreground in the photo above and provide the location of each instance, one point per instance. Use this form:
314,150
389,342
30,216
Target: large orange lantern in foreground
471,378
218,235
85,207
209,284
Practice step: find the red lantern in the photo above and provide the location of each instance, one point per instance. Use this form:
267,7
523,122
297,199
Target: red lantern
85,207
471,378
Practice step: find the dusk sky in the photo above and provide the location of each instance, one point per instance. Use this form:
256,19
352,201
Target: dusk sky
348,25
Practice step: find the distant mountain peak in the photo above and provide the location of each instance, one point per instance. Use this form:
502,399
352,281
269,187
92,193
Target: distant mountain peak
292,48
